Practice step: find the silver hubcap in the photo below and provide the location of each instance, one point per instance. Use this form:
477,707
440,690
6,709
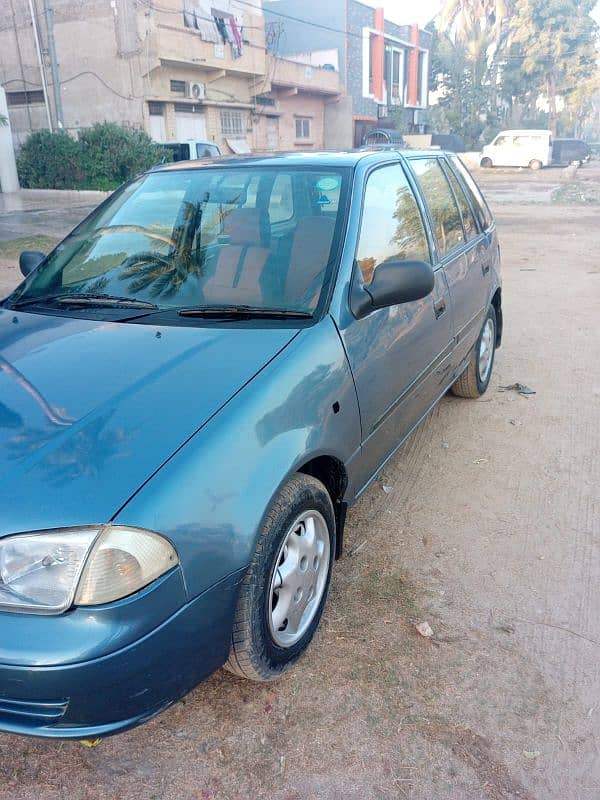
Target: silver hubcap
486,350
299,579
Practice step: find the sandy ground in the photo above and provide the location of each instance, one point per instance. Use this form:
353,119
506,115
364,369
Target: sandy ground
489,530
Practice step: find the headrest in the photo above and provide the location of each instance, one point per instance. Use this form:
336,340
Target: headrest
312,241
242,225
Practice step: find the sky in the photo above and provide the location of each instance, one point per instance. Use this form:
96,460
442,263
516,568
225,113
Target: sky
403,12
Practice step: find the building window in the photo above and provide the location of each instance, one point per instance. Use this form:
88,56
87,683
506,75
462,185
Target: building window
232,123
156,109
178,87
262,100
302,128
187,108
24,98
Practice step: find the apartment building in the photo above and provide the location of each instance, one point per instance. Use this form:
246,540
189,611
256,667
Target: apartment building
384,67
180,69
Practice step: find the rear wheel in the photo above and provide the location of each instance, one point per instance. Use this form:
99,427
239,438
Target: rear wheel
284,591
486,162
476,377
535,164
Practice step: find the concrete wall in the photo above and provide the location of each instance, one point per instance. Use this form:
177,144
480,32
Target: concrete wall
338,124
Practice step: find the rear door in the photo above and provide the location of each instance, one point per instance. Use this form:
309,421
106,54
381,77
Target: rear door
462,248
400,356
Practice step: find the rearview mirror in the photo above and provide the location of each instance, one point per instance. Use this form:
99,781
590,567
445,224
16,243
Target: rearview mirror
394,282
29,260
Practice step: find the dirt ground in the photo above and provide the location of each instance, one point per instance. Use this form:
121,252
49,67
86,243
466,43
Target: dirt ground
487,526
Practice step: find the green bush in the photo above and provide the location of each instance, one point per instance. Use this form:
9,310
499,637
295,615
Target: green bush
111,155
102,158
49,161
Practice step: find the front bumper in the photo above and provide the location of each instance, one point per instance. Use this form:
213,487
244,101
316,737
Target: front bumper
118,690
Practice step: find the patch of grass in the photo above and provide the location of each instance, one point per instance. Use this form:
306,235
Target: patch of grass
577,193
12,248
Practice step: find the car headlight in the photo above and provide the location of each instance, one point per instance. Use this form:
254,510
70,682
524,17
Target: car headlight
47,571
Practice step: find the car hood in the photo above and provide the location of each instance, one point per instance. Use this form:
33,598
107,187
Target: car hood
90,410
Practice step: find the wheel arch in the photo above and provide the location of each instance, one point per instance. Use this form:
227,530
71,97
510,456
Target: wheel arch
332,474
497,303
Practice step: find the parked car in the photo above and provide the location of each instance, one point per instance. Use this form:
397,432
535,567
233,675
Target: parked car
519,148
570,151
195,385
184,151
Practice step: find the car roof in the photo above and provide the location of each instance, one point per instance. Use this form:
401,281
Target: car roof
309,158
522,131
345,158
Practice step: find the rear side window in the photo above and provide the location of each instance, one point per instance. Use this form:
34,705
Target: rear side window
482,212
447,222
391,228
468,219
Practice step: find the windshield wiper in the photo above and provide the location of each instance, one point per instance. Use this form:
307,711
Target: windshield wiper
83,299
247,312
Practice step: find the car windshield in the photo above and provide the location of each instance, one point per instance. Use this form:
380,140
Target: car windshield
261,237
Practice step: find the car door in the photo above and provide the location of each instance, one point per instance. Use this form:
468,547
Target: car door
462,249
400,356
504,151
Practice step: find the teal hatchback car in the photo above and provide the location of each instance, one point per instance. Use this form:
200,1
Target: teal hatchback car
194,386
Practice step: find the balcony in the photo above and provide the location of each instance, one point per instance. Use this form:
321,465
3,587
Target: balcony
181,46
303,77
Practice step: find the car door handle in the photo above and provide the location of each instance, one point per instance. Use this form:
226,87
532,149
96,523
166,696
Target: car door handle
485,268
439,308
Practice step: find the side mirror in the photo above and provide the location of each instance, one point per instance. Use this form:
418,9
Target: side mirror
394,282
29,260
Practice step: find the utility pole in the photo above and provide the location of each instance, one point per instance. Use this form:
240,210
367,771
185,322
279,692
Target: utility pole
38,49
49,10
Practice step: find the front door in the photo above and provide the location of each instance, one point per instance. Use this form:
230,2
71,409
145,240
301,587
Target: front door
272,134
400,356
190,126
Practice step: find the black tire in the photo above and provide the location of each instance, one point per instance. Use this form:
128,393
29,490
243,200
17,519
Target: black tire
535,164
486,163
470,384
254,653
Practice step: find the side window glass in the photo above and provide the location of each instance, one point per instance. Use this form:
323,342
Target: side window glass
467,215
391,226
281,205
482,212
447,223
503,141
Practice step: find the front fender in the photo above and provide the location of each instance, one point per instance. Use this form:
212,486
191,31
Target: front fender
211,496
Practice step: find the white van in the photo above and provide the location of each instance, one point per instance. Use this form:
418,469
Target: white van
524,148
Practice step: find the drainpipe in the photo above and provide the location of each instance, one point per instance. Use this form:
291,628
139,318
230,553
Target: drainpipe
378,55
9,181
413,67
38,49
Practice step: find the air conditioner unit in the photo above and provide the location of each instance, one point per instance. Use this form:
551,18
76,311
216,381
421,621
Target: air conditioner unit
195,91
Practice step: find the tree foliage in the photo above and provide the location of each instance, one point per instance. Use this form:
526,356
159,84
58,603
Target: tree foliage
552,53
494,60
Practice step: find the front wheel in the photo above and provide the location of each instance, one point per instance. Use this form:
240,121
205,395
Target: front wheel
486,162
284,591
535,164
476,377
